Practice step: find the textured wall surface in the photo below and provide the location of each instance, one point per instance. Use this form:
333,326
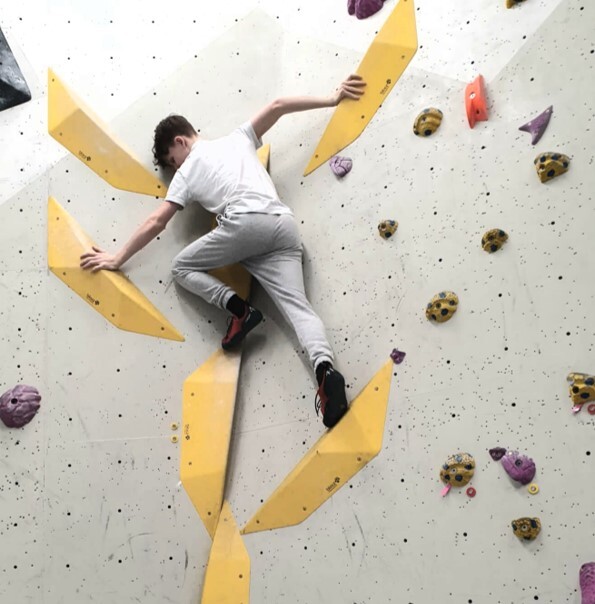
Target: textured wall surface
92,508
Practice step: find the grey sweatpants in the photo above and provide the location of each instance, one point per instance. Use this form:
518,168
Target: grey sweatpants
269,247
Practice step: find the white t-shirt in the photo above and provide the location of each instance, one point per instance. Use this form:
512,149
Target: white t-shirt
225,176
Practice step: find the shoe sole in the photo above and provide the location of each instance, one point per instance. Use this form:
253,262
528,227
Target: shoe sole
254,319
336,382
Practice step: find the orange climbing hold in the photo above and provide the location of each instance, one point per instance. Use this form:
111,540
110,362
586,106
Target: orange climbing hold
475,101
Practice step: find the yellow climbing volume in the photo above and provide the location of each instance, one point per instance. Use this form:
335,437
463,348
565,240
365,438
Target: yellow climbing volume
332,461
87,137
227,579
208,403
383,64
110,293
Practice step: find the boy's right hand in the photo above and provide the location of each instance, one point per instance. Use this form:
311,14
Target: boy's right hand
98,260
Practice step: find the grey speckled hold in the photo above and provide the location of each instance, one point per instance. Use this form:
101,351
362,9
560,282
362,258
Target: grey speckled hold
13,87
519,467
19,405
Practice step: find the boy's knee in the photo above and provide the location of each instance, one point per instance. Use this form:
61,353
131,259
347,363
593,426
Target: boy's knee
177,267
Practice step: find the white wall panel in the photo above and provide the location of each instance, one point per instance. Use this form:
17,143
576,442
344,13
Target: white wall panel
92,507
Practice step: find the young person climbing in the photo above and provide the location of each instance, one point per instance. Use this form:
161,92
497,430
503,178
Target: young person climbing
254,228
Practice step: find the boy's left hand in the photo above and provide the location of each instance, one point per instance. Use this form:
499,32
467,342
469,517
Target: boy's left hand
351,88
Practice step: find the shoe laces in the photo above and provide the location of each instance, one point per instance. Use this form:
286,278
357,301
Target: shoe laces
318,402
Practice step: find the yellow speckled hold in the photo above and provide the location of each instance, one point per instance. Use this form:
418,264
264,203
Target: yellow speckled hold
442,307
493,240
427,122
511,3
582,388
458,470
387,228
549,165
533,489
526,529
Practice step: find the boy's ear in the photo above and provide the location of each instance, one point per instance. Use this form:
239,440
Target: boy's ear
179,140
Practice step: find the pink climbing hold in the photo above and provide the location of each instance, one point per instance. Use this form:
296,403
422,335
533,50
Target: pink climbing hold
497,453
519,467
19,405
587,583
351,7
398,356
536,127
367,8
340,165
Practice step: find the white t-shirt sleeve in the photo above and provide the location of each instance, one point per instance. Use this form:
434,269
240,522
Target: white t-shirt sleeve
247,130
178,190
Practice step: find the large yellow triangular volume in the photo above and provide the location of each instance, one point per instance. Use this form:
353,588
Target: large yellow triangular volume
227,580
332,461
208,403
383,64
84,134
110,293
236,276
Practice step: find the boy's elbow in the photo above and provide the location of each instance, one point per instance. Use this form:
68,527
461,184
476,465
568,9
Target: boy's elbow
158,223
278,107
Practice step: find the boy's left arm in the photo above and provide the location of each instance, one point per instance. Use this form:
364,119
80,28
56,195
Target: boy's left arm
266,118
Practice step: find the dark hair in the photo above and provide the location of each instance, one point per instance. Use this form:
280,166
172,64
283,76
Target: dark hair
165,132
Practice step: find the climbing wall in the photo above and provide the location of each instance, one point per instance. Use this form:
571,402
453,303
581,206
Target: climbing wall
93,508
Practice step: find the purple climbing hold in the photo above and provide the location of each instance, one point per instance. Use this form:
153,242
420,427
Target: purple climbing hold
587,583
19,405
398,356
340,165
497,453
366,8
536,127
519,467
351,7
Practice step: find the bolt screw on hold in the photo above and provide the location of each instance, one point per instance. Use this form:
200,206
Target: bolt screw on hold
174,426
174,438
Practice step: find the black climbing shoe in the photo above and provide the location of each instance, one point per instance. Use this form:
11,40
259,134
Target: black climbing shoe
239,327
330,397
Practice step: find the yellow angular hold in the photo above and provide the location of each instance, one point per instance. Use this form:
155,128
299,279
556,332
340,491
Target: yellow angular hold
264,155
227,579
208,403
236,276
87,137
383,64
337,456
110,293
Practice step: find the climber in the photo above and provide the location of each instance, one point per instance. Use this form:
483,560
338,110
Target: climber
254,228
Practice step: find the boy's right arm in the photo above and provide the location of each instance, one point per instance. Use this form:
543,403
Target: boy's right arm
154,225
